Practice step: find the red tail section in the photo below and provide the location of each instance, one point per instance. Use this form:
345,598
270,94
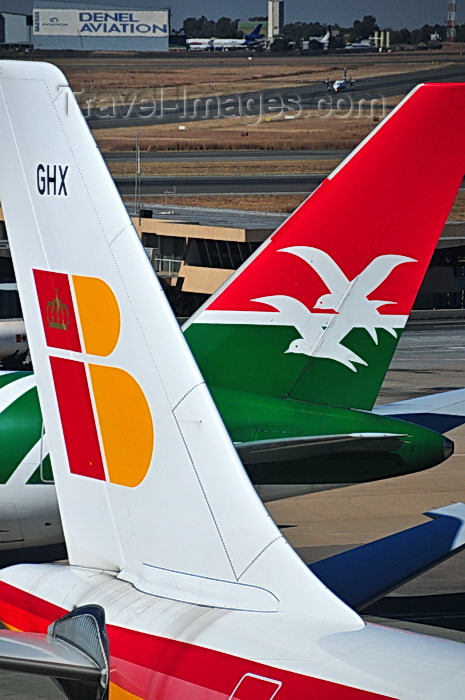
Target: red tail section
392,195
335,284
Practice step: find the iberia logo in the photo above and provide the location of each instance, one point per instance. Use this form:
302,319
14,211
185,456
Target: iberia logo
106,421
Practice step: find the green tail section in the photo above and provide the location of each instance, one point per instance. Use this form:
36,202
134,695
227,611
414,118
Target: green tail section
9,377
22,419
253,358
44,473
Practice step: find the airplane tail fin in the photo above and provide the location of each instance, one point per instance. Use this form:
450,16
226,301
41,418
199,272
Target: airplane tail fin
148,482
316,313
255,31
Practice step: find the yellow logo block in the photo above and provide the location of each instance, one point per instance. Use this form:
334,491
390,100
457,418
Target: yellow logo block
125,424
99,315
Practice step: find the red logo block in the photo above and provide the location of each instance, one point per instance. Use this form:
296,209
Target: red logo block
57,310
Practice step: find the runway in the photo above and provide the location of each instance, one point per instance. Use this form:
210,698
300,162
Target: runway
219,184
221,156
430,358
106,115
207,59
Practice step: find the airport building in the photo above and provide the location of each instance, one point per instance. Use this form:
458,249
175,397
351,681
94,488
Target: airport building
194,251
96,27
15,29
275,19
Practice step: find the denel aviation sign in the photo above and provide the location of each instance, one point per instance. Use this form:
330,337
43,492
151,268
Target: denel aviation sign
99,23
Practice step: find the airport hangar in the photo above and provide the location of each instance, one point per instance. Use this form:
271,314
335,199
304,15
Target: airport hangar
194,250
86,27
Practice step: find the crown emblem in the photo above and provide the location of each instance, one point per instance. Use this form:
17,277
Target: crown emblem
57,313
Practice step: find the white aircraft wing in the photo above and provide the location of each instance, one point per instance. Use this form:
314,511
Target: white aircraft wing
362,575
441,412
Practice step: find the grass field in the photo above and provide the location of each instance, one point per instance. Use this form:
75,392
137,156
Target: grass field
235,167
304,131
203,75
123,77
285,203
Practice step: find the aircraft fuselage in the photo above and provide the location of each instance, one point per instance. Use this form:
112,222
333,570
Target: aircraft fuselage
29,515
165,649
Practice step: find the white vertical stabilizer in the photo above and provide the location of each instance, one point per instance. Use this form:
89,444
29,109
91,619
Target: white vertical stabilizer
148,481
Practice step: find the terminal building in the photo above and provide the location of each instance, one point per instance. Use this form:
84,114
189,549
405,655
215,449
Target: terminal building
193,252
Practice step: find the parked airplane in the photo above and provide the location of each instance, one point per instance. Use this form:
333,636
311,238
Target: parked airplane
340,85
324,40
200,44
249,41
296,345
14,350
359,46
171,593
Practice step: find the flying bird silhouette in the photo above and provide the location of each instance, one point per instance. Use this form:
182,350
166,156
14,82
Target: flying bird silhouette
312,328
349,297
322,334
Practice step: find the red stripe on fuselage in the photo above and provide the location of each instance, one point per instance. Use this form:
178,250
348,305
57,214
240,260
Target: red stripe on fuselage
165,669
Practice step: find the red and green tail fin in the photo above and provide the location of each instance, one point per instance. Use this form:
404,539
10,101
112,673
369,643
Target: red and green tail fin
316,313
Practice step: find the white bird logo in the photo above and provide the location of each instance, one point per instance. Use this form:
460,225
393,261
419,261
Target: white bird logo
321,334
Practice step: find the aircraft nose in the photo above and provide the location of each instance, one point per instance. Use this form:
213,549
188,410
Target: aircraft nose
448,448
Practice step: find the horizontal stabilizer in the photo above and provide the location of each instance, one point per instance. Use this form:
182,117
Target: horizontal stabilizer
74,652
441,412
276,450
43,655
362,575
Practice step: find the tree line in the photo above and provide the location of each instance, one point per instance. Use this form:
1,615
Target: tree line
203,28
296,32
